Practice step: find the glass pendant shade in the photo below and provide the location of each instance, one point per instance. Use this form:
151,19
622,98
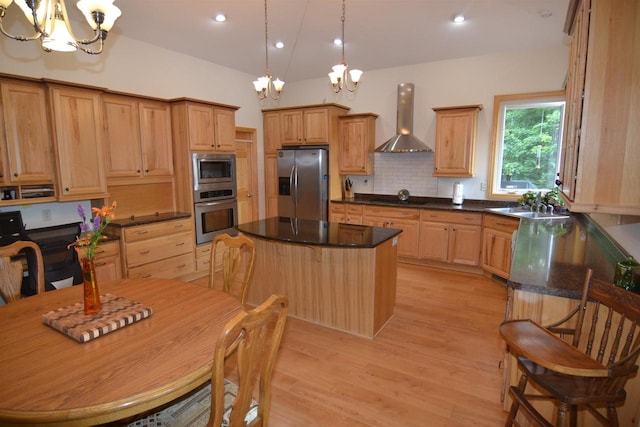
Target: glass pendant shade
111,12
59,38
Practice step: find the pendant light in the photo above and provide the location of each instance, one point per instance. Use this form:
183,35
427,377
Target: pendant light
341,77
52,26
265,87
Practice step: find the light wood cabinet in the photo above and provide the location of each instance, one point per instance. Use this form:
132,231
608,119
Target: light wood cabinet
357,143
162,249
207,128
107,261
455,148
305,126
346,213
137,137
78,118
600,149
451,237
26,153
497,235
405,219
203,258
272,134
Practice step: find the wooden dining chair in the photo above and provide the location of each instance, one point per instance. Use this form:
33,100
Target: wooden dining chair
231,267
251,340
11,269
604,329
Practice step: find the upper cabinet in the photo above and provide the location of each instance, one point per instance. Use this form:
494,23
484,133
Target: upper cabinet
357,143
26,153
207,128
306,126
600,151
77,118
455,148
137,137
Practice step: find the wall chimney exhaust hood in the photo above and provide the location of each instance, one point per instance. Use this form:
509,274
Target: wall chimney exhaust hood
404,141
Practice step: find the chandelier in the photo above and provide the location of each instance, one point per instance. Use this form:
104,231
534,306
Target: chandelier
265,87
51,23
341,76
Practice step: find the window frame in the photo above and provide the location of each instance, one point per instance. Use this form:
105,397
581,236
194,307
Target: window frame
499,101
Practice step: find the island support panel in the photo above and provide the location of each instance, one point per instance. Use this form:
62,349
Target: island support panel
348,289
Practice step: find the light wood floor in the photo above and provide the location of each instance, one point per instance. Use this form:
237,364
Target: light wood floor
435,364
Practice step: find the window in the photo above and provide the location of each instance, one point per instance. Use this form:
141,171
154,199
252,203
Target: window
527,134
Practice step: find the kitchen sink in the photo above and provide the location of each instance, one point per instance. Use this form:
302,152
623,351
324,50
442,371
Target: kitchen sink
519,212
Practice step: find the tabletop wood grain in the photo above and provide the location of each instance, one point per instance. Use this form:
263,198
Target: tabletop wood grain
47,377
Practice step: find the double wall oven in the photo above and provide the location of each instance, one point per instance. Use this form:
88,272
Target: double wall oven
214,195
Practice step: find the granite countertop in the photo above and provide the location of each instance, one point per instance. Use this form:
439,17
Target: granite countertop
441,203
148,219
322,233
552,256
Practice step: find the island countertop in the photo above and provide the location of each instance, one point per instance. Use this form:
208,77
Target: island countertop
322,233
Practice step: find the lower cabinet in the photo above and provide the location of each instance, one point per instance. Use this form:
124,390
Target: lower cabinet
162,249
345,213
203,257
107,261
406,219
496,244
451,237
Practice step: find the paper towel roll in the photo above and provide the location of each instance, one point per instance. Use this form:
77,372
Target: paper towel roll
457,193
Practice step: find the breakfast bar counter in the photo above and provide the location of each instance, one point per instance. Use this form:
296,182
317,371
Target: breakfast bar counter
340,276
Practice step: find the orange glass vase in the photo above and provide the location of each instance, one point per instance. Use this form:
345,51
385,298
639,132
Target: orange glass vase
92,303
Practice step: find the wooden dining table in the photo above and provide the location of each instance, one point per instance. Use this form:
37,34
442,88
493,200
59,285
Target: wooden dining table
49,378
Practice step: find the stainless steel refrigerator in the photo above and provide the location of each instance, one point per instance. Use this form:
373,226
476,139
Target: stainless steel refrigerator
303,183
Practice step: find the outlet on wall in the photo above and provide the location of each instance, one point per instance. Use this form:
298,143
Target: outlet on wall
483,186
46,215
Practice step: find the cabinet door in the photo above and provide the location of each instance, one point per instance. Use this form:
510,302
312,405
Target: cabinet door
225,130
271,185
496,252
291,127
122,153
78,116
356,146
408,241
455,142
271,124
155,138
316,126
434,241
464,244
201,127
27,133
337,212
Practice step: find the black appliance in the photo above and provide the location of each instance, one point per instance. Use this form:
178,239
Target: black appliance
61,262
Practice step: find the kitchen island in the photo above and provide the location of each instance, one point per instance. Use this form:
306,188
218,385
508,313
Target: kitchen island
341,276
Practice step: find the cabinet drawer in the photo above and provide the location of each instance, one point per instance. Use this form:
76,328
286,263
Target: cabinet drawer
451,217
354,209
159,248
105,250
143,232
386,212
501,223
203,257
336,208
167,269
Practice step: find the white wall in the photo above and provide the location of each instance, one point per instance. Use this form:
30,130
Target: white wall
131,66
464,81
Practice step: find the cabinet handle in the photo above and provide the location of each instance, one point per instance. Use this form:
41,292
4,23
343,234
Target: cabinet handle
100,264
146,276
179,225
15,174
99,252
138,171
66,189
1,175
182,266
144,252
146,170
142,232
180,244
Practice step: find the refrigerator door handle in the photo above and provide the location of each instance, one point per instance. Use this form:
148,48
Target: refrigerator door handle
292,184
295,187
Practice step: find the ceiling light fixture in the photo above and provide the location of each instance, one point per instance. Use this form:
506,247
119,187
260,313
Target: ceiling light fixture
341,76
220,17
51,23
458,18
265,87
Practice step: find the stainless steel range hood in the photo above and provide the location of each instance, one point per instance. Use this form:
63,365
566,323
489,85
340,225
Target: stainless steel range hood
404,141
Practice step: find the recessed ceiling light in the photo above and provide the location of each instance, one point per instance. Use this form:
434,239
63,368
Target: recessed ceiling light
220,17
337,42
458,18
279,45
